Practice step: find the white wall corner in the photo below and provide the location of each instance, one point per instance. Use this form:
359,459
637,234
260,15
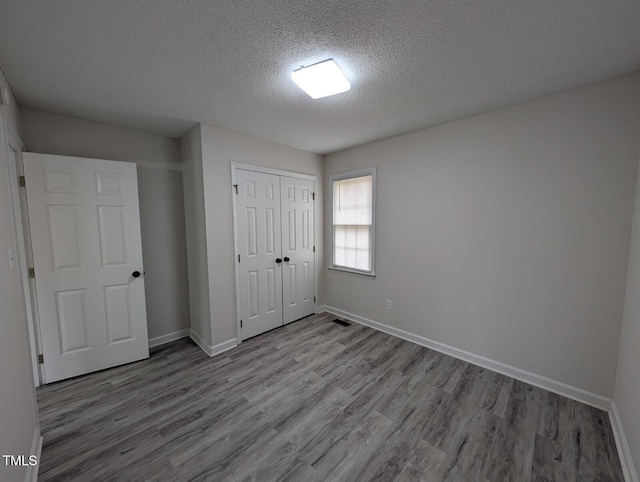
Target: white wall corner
195,336
569,391
36,449
628,469
169,337
215,349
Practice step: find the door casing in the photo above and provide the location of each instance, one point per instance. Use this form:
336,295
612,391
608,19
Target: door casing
279,172
13,146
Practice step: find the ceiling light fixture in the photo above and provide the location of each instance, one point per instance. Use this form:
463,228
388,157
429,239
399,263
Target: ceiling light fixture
321,80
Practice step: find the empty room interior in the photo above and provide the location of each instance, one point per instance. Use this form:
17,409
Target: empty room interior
312,241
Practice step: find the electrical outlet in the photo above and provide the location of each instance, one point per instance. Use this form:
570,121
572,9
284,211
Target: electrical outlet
389,304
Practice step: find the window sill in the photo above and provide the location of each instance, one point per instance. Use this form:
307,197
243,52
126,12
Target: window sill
352,272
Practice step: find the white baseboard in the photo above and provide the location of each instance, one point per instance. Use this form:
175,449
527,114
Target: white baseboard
630,474
36,449
540,381
169,337
224,346
215,349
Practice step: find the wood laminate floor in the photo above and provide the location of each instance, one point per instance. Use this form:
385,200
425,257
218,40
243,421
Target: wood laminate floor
317,401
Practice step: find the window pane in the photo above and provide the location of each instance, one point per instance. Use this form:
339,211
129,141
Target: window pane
353,201
353,222
351,246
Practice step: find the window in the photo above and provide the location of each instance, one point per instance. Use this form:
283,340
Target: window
353,195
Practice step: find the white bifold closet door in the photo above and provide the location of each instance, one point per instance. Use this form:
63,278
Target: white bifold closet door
275,228
259,243
298,270
85,230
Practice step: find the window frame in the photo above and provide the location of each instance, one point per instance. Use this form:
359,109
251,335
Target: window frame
370,171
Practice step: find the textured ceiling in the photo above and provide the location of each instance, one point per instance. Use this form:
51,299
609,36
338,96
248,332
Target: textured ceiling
163,65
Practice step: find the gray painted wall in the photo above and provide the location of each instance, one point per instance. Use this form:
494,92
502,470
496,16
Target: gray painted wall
627,388
507,234
161,201
18,407
191,148
57,134
164,246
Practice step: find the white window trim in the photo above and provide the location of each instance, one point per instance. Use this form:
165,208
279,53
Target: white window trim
371,171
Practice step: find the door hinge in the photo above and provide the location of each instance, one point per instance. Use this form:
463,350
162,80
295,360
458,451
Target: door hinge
32,272
238,258
22,181
313,195
236,186
314,299
314,249
40,359
240,323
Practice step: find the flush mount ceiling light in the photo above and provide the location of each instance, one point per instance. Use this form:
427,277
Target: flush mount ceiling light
321,80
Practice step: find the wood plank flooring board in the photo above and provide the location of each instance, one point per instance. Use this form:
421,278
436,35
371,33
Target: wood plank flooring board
353,446
312,422
414,354
410,392
281,457
506,384
79,463
316,401
221,452
469,454
313,358
211,429
296,400
303,365
108,428
513,454
320,345
422,464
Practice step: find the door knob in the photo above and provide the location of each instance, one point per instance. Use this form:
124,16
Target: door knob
136,274
286,260
278,260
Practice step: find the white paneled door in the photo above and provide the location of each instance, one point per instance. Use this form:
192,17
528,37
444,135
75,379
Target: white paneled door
260,252
85,230
275,236
298,271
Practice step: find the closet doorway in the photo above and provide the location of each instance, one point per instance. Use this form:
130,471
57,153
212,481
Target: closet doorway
274,231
